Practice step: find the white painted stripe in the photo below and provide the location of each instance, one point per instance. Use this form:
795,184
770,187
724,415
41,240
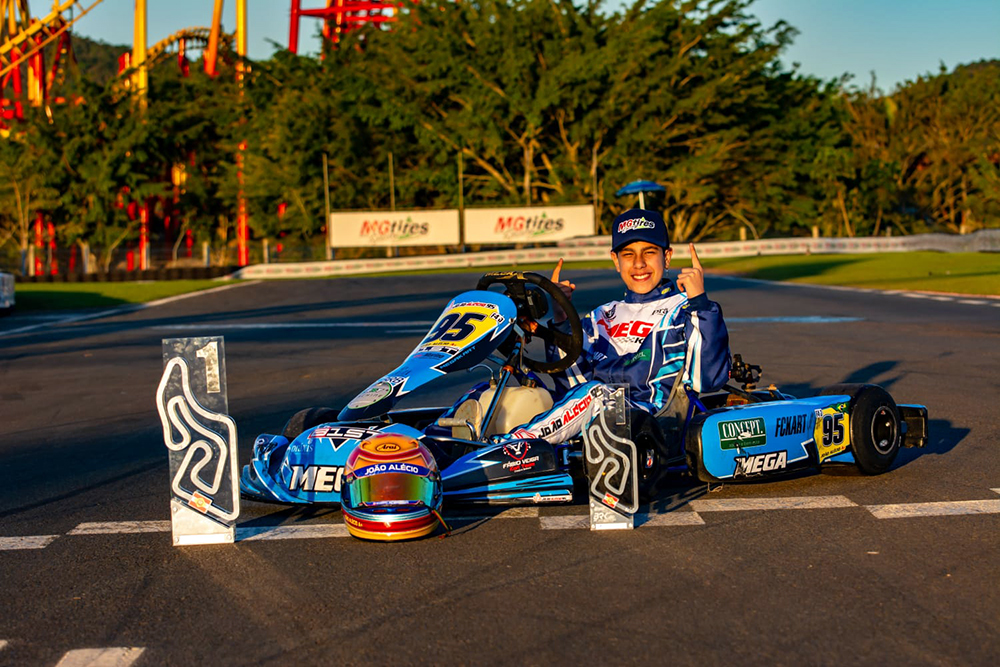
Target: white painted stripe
679,518
566,521
995,490
115,527
914,295
188,295
754,504
941,298
101,657
973,302
26,542
291,325
254,533
956,507
582,521
510,513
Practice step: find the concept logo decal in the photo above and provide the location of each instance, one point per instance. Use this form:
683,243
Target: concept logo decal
742,433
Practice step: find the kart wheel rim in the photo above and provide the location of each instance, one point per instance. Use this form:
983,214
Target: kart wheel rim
884,430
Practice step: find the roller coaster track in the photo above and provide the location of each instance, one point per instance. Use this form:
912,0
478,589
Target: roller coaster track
188,37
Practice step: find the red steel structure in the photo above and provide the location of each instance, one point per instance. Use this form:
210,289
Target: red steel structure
340,17
26,45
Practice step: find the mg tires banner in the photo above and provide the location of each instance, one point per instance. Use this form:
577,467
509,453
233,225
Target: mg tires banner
393,228
536,224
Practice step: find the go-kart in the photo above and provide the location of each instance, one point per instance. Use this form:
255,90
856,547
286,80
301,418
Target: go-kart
740,433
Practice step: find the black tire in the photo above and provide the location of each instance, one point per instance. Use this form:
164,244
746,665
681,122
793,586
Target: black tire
876,433
306,419
649,443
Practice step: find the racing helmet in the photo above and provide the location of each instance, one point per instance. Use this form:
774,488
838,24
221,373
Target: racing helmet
391,489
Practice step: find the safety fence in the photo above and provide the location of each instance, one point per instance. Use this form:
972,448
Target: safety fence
597,247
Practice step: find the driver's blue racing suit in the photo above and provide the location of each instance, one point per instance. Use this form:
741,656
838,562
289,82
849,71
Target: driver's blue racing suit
643,341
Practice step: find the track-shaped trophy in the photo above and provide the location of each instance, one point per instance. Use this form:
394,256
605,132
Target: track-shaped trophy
201,438
612,463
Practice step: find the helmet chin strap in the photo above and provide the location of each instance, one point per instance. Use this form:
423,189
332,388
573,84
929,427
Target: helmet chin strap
447,528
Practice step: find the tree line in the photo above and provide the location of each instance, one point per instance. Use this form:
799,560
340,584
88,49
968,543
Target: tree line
540,102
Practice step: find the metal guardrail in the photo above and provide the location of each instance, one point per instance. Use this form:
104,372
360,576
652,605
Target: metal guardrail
597,248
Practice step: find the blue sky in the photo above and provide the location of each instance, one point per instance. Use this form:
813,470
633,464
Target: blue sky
897,39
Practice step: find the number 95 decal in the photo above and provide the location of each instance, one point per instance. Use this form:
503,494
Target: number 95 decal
832,431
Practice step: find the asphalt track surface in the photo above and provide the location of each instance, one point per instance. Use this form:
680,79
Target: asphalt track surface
80,443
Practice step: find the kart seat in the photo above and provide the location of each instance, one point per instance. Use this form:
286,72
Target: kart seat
518,405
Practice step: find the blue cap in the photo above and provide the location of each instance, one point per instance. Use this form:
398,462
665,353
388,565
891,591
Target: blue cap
639,224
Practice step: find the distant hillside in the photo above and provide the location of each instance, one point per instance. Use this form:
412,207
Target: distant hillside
97,61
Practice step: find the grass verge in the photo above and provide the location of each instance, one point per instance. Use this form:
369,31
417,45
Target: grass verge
962,273
80,296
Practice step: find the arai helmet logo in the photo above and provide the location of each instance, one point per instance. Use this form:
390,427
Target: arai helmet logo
635,223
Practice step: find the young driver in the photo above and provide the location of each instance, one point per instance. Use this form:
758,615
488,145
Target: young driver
659,329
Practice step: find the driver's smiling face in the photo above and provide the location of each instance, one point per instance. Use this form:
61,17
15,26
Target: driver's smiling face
642,265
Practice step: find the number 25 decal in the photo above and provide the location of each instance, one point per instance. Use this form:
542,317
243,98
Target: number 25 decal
833,429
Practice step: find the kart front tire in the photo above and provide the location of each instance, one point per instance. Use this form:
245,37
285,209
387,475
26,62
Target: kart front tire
876,431
306,419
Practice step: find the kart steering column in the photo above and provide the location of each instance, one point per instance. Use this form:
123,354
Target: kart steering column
505,372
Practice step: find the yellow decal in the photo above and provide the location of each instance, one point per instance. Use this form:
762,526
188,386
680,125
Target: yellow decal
833,431
462,324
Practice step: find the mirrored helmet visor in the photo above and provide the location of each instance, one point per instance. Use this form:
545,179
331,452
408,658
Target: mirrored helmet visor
391,489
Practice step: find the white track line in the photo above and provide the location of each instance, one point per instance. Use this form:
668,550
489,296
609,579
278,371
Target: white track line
755,504
973,302
116,527
511,513
952,508
565,521
680,518
255,533
100,657
122,310
582,521
26,542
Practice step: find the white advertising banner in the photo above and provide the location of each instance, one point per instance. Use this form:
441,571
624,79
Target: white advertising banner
393,228
535,224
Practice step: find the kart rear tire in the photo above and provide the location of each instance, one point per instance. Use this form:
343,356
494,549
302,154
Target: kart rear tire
649,443
876,431
306,419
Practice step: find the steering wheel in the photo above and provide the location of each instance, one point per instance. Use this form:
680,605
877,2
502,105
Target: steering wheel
523,289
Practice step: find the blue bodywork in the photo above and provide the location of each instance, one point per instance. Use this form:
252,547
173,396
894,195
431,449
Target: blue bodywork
773,435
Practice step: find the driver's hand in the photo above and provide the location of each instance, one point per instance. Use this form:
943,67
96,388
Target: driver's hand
558,314
692,281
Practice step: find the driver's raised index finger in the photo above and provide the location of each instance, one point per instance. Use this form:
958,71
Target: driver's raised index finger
695,262
555,271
